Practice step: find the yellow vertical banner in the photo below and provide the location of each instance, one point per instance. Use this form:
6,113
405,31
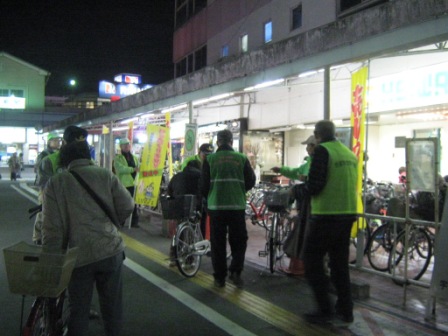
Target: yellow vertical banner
169,154
151,168
105,130
358,117
130,134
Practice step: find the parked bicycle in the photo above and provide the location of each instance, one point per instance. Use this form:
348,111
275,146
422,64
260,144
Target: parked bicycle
256,208
378,237
279,225
411,254
48,316
188,243
387,245
31,271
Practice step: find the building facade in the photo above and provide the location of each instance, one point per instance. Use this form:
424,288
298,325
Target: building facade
283,65
25,110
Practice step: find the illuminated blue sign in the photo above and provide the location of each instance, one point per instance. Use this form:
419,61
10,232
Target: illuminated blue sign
113,91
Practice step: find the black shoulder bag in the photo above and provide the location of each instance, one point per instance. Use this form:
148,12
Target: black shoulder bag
94,196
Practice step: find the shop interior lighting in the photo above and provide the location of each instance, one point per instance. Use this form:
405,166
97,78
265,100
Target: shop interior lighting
439,112
280,129
141,137
126,121
310,73
265,84
211,99
338,122
175,108
121,128
422,115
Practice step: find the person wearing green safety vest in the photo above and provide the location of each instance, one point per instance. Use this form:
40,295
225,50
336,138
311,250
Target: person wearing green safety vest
296,266
54,141
126,167
226,177
332,187
49,166
299,173
204,150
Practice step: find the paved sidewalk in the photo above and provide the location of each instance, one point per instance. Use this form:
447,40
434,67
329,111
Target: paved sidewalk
388,302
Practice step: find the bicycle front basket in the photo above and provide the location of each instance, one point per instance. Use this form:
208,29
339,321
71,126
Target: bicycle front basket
277,200
178,208
31,271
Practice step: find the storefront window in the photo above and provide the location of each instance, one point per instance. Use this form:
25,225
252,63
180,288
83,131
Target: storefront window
264,150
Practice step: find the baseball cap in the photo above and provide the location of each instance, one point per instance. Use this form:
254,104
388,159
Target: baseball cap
206,148
53,136
310,141
75,133
124,141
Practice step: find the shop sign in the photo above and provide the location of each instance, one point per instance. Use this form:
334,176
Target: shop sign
190,139
110,90
12,103
128,79
413,88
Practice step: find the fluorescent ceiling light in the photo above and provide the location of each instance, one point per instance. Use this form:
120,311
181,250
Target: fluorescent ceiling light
214,98
307,74
175,108
265,84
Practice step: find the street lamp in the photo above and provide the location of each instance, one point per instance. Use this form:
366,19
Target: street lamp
72,83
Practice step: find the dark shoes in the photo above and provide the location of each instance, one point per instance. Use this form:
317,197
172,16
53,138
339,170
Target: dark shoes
236,279
219,283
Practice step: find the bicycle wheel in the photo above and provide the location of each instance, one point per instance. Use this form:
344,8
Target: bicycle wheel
48,317
370,227
424,250
419,243
284,228
273,242
188,262
379,247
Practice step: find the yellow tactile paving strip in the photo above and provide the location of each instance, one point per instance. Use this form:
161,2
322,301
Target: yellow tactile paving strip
276,316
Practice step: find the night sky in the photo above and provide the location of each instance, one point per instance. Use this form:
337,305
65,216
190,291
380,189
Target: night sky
90,40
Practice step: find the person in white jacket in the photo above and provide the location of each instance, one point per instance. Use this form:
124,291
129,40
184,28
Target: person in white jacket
72,218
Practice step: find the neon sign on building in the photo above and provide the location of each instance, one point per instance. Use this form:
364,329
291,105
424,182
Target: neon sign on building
125,85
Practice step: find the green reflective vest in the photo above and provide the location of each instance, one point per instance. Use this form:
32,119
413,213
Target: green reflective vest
227,188
55,158
339,194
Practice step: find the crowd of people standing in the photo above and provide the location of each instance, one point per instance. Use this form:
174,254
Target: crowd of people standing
69,181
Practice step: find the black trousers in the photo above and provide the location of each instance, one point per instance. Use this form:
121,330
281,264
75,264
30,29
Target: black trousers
134,221
232,222
106,276
332,236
